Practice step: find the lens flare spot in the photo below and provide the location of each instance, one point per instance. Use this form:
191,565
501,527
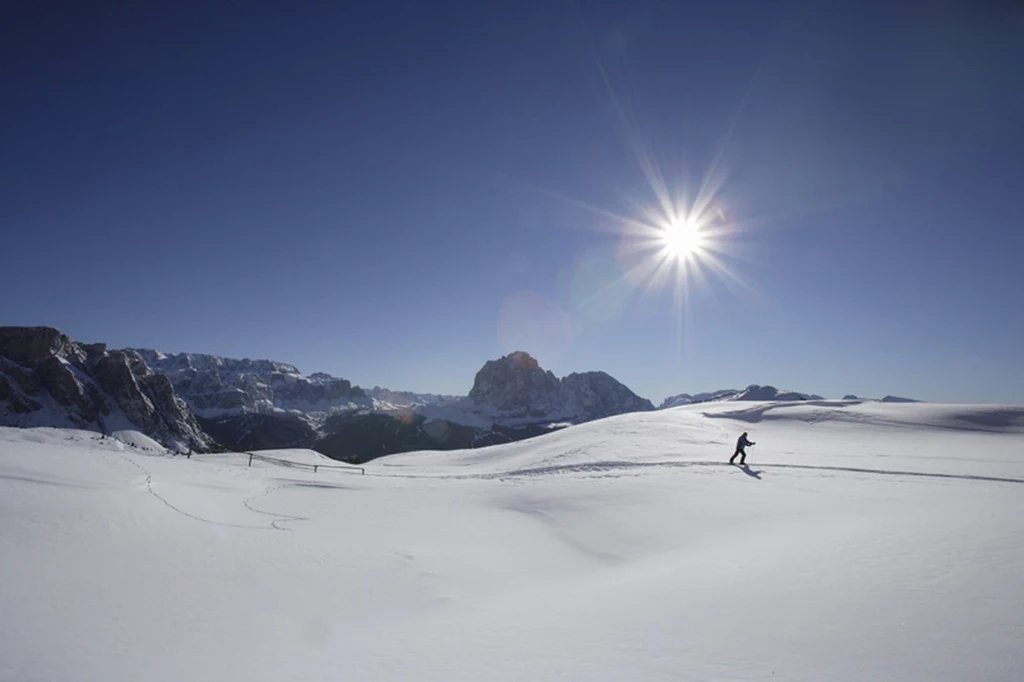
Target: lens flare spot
529,322
597,289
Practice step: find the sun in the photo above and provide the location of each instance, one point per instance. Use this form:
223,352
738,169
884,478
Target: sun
682,243
681,239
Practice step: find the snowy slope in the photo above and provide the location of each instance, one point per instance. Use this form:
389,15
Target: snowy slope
867,541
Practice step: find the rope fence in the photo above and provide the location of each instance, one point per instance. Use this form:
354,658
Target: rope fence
315,467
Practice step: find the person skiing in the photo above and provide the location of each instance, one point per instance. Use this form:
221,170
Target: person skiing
741,445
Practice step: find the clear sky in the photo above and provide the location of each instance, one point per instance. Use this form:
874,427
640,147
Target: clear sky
396,192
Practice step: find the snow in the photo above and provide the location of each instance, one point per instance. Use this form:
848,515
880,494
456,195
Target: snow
137,439
751,392
865,541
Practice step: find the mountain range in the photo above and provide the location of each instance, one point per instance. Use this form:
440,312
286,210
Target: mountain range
194,401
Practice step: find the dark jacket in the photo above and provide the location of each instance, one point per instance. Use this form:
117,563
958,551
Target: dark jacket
742,443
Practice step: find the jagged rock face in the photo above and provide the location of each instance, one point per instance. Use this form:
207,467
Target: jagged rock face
517,387
16,385
58,377
47,379
33,344
599,395
24,379
217,387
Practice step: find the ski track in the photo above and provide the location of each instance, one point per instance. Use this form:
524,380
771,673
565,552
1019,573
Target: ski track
607,468
611,466
280,518
246,502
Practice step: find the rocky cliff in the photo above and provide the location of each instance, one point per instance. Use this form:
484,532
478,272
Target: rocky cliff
515,390
515,387
47,379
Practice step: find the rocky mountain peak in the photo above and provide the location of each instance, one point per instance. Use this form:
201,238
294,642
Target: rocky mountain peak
598,394
522,359
516,386
35,344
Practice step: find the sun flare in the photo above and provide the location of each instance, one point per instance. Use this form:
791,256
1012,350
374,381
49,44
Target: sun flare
682,239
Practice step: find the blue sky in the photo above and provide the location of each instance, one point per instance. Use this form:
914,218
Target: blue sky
396,193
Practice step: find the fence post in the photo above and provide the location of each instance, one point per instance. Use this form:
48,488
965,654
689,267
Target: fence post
250,459
314,468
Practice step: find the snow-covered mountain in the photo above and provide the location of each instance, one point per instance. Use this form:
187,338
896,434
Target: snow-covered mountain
46,379
217,387
259,404
690,399
864,541
386,399
757,392
898,399
886,399
752,392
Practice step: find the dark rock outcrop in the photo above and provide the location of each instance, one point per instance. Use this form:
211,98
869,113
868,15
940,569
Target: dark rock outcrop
598,395
516,387
47,379
34,344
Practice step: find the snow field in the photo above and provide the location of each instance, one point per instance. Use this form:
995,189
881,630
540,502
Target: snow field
863,541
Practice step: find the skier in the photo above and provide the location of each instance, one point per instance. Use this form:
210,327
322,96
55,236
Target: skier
741,444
